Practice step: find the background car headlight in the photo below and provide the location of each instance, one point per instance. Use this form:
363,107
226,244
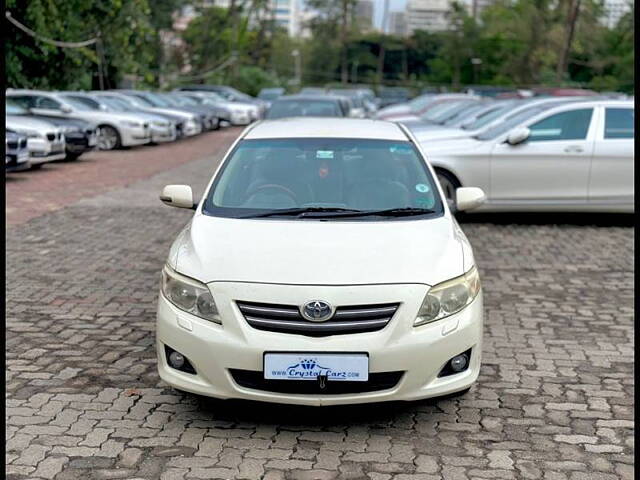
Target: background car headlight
189,295
131,123
449,297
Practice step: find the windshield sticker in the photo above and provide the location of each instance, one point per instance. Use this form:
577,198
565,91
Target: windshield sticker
324,153
402,149
422,188
323,171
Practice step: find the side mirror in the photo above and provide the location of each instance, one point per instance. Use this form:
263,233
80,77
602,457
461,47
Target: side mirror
468,198
518,135
65,109
180,196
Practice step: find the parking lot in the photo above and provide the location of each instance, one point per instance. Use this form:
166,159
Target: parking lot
85,246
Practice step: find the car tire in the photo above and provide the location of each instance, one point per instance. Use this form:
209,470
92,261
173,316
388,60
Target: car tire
108,138
449,184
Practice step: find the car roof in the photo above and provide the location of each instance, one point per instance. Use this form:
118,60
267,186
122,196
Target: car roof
334,127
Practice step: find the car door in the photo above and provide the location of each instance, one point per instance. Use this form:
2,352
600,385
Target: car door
611,179
551,167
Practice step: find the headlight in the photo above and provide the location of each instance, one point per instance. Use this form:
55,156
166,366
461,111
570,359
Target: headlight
448,297
189,295
131,123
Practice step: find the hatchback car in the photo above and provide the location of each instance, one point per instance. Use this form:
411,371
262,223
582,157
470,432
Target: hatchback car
321,267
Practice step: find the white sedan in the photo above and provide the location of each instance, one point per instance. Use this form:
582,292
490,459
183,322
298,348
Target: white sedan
576,156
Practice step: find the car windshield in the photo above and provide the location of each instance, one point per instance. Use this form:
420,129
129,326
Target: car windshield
303,108
462,106
491,115
269,95
136,100
512,121
155,100
434,111
462,114
79,104
327,177
116,105
11,108
420,102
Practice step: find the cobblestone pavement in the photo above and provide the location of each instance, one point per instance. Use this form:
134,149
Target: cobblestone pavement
554,400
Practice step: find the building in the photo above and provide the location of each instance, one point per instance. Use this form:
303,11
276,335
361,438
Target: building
364,14
287,14
614,10
429,15
397,23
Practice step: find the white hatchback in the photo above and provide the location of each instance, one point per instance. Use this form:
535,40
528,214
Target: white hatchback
322,266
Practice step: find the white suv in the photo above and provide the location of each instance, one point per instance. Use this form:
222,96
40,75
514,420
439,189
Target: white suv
322,267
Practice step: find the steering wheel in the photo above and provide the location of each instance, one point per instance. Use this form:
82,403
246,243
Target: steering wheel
273,186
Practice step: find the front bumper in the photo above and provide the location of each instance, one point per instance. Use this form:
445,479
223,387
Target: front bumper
17,162
42,150
419,352
78,143
133,136
163,134
241,118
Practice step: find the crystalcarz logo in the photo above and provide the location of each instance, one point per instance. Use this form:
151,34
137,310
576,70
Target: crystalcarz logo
310,368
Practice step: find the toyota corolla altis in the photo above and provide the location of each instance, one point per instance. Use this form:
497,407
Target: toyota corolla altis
322,266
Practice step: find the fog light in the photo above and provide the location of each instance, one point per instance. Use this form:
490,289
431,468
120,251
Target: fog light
456,364
459,363
177,360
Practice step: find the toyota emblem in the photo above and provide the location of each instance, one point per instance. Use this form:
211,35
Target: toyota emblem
317,311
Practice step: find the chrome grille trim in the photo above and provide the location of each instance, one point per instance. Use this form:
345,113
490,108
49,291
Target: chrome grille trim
288,319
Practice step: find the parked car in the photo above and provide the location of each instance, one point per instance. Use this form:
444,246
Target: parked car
395,312
16,152
519,108
115,129
574,156
239,113
439,112
312,91
307,106
421,106
163,128
463,115
232,95
270,94
220,113
187,124
80,136
393,95
45,141
211,119
359,109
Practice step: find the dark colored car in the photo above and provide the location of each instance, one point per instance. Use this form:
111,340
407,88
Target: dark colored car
306,106
16,152
80,136
392,95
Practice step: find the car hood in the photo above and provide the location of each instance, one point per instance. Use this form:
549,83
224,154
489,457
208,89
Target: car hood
20,121
316,252
401,109
102,116
447,146
64,121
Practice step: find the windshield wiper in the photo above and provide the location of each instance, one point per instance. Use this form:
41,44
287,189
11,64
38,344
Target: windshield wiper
302,210
389,212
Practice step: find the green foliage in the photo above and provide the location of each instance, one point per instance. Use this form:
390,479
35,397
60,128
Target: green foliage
515,42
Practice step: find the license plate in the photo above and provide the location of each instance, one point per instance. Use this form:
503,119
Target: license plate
351,367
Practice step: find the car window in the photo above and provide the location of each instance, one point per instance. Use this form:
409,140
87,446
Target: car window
304,108
570,125
361,174
48,103
85,102
25,101
618,123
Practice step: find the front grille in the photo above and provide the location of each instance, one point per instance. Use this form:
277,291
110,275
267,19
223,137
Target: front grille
256,381
51,137
12,144
23,143
89,131
347,319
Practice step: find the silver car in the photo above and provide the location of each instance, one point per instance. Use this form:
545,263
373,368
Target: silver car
115,129
45,141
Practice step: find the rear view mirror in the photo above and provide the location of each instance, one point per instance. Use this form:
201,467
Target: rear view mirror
518,135
180,196
468,198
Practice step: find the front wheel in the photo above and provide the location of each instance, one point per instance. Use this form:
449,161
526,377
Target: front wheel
108,138
449,184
